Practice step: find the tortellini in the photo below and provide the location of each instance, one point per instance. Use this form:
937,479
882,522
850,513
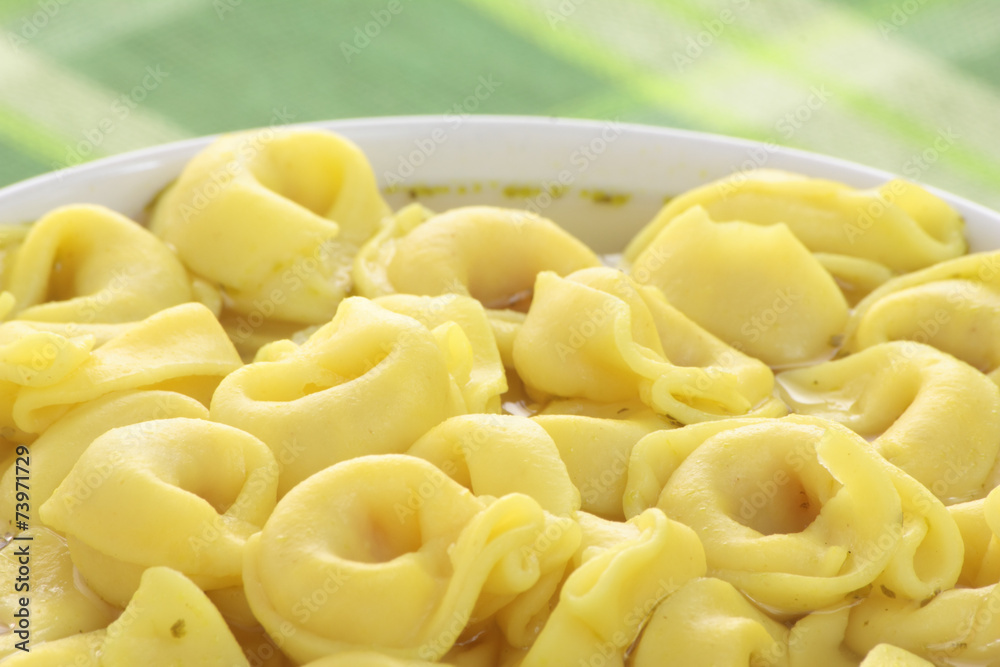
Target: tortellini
492,254
287,209
371,381
58,448
596,334
958,626
212,484
797,513
892,392
756,287
90,264
170,621
708,622
899,225
181,349
402,566
624,570
400,439
954,306
40,355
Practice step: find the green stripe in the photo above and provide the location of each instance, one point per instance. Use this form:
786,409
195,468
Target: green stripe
13,8
564,42
780,55
600,104
32,139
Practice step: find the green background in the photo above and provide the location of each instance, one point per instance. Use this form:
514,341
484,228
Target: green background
912,87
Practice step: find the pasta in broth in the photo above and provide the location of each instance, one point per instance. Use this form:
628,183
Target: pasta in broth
307,454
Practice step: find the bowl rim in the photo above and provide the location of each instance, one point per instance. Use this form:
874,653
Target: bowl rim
189,147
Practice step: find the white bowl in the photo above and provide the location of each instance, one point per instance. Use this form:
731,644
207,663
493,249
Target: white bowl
450,160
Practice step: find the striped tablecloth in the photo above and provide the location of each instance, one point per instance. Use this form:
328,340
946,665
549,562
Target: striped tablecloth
911,86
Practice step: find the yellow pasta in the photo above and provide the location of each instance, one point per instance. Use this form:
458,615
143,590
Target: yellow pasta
597,335
932,415
100,333
81,650
979,523
388,553
259,648
480,452
899,224
8,455
797,513
856,277
492,254
459,439
370,382
958,626
708,622
212,484
482,372
12,235
368,659
40,354
289,208
615,587
489,648
249,339
39,358
58,606
506,324
89,264
181,348
756,287
595,441
169,621
954,306
887,655
818,639
55,451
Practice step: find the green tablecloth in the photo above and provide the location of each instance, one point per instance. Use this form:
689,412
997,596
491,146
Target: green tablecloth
912,86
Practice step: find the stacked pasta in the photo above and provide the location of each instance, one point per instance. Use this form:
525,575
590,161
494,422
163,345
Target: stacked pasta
285,425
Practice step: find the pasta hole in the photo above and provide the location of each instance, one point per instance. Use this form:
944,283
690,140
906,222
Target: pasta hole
779,508
220,484
377,525
518,301
388,542
62,279
221,497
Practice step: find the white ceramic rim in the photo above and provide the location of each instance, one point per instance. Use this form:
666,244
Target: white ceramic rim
524,149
